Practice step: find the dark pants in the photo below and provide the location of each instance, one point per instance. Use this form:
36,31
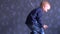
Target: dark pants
37,30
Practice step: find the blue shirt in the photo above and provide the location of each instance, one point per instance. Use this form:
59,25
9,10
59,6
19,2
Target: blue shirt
34,17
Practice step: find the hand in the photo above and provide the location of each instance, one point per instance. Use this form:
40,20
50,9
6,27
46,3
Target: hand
45,26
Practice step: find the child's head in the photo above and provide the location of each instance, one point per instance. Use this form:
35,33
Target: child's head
45,5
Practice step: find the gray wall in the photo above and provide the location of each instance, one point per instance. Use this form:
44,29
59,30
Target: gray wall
13,14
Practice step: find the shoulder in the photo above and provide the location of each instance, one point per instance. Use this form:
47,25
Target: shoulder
39,9
35,11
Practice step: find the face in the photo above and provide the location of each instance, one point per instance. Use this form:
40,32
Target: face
47,7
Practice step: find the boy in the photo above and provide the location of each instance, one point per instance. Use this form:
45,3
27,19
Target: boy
34,18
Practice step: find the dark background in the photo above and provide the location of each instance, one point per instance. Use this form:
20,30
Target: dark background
13,15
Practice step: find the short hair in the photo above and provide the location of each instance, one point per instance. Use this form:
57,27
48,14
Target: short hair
43,3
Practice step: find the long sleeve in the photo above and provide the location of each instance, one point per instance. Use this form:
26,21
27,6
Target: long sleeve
39,15
36,17
33,17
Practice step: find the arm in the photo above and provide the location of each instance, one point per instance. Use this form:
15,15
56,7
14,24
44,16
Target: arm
33,17
39,15
39,20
